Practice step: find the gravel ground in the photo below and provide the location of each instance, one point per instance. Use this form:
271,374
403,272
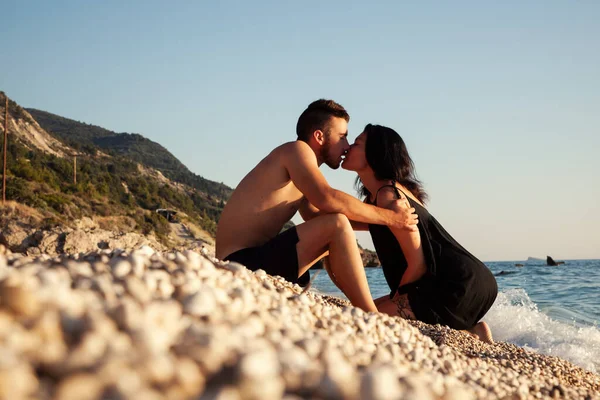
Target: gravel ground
147,325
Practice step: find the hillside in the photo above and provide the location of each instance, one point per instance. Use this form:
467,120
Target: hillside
89,138
116,176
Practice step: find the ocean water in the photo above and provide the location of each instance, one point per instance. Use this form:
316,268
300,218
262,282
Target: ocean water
550,310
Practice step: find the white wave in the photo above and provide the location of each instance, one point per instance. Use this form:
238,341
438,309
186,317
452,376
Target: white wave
515,318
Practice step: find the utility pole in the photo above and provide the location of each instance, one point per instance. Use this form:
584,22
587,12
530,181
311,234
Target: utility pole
74,169
5,147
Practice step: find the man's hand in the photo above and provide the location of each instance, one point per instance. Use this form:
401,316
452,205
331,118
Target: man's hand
407,215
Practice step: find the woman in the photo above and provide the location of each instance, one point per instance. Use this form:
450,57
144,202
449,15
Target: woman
432,277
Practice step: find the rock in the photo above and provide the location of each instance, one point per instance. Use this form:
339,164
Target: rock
128,315
136,288
12,235
258,372
189,377
551,262
85,223
159,370
79,387
380,383
189,329
202,303
17,380
19,299
121,268
222,393
234,267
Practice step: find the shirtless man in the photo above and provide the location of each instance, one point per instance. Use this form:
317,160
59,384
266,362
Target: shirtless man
289,180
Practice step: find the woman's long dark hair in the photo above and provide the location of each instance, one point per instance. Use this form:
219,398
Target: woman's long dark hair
387,155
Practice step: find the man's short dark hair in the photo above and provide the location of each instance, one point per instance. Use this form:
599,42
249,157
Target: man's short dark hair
317,116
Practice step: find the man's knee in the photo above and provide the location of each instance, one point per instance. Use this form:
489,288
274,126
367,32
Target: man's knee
339,222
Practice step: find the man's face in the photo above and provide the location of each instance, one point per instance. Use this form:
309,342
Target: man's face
335,144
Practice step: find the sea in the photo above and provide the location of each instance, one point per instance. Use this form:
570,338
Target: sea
553,310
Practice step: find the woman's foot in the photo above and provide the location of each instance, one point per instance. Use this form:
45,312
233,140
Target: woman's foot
481,331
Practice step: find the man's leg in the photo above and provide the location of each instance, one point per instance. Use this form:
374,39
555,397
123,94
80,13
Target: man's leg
333,233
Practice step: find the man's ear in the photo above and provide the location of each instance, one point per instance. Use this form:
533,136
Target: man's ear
319,136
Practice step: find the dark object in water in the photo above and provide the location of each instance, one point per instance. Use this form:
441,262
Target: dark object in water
533,259
550,261
505,273
518,265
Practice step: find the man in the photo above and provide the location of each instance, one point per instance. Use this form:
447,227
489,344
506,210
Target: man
289,180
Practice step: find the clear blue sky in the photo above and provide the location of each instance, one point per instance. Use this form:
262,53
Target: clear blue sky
499,103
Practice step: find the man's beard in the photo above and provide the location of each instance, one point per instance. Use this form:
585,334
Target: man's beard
326,157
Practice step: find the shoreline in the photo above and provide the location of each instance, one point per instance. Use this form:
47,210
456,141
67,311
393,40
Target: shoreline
152,325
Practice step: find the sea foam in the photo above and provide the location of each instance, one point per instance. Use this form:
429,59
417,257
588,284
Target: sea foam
515,318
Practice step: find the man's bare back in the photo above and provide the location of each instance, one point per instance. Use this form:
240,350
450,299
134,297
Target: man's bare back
261,204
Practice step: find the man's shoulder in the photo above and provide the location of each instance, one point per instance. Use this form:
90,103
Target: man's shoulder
297,152
297,146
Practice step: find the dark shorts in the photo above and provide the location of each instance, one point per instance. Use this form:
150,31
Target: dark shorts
276,257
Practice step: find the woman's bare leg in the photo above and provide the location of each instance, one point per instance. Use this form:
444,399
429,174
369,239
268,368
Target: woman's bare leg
398,306
381,299
481,331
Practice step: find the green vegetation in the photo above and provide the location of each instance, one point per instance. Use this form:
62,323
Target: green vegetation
107,186
90,138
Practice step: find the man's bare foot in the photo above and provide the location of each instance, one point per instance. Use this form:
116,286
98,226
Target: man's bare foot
481,331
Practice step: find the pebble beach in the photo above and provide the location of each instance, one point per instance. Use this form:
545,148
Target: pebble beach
150,325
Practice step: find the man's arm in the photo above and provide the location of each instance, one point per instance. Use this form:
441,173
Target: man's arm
308,211
360,226
301,163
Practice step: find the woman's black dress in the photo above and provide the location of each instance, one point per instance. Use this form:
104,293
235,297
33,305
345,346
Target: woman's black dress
457,290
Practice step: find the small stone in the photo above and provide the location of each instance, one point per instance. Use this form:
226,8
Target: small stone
128,315
159,370
189,377
202,303
17,381
180,259
259,375
223,393
79,387
19,299
380,383
260,273
234,267
121,268
145,251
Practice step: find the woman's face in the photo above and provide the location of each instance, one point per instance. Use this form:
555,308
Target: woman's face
356,159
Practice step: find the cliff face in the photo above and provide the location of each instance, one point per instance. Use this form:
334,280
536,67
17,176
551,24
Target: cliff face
27,130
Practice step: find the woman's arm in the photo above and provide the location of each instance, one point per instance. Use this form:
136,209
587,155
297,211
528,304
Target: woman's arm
410,242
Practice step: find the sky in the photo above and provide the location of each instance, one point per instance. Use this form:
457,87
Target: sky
498,102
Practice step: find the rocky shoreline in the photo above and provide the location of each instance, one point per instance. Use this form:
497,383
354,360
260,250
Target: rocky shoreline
180,325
